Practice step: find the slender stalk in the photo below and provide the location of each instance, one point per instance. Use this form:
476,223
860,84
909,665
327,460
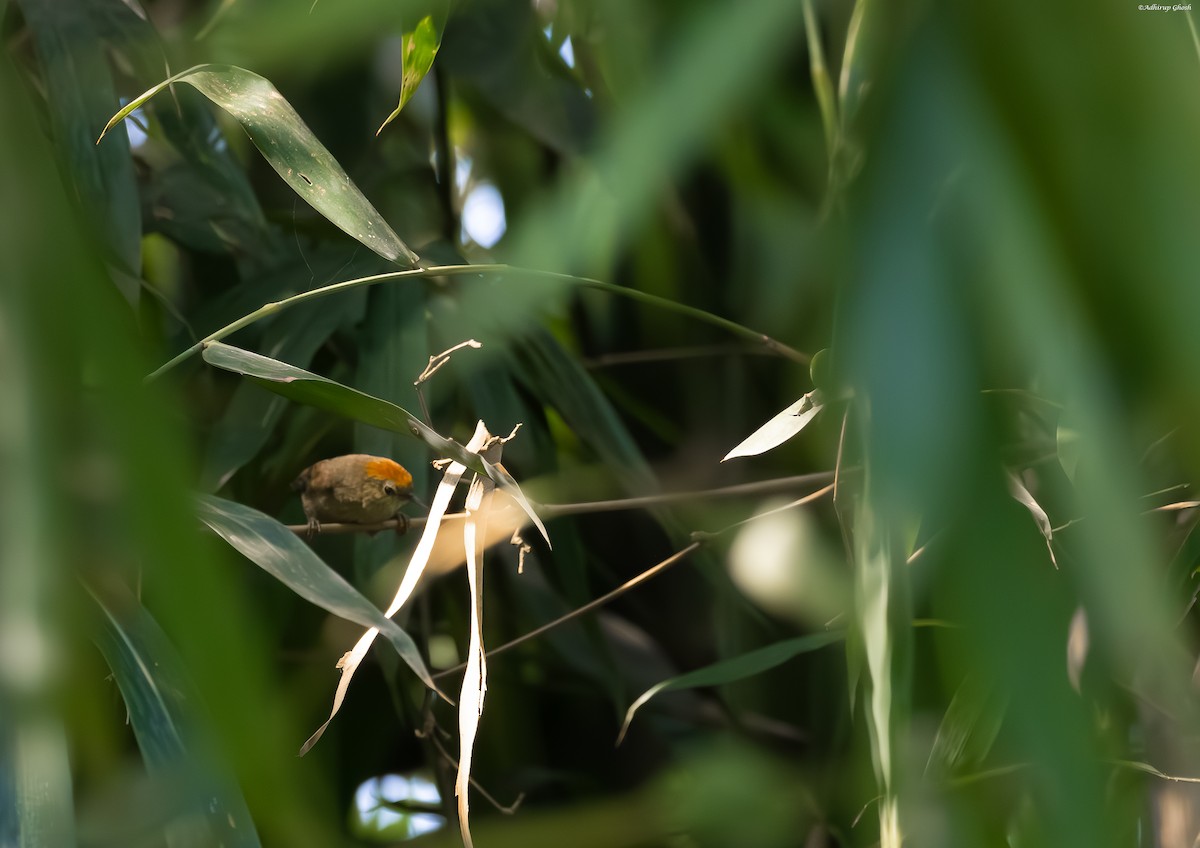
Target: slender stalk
761,487
471,270
652,571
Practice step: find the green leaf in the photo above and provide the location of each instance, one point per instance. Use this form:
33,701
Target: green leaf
294,152
969,727
79,93
417,49
162,707
735,668
252,414
277,551
306,387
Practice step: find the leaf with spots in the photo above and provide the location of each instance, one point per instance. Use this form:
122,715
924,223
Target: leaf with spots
281,135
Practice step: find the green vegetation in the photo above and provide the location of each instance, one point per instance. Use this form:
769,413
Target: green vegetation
843,361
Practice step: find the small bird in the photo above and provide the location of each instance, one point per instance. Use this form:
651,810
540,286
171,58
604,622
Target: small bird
355,489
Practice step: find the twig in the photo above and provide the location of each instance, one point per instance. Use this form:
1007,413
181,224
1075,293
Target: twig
435,364
653,571
274,307
761,487
433,736
669,354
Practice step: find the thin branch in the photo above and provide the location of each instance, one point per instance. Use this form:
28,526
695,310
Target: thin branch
274,307
761,487
653,571
670,354
820,493
506,810
435,364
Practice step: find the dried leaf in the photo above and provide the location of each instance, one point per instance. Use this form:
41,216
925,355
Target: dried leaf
780,428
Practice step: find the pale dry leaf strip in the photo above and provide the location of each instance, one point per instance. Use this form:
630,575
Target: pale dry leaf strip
350,661
781,427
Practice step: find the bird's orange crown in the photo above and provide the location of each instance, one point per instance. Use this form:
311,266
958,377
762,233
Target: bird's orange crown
386,469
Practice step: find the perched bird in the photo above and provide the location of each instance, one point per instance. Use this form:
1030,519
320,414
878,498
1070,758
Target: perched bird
354,489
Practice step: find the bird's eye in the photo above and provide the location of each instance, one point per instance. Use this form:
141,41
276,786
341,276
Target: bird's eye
389,488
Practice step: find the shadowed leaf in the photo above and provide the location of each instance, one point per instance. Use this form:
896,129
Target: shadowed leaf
163,709
735,668
276,550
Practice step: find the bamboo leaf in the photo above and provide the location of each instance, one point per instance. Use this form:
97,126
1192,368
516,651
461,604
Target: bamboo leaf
734,669
290,147
315,390
276,550
162,707
417,49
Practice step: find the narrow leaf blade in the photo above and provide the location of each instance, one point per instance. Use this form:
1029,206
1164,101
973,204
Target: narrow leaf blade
287,143
276,550
735,668
305,387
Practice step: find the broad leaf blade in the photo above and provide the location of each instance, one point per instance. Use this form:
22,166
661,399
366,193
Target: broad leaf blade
735,668
417,49
293,151
315,390
276,550
780,428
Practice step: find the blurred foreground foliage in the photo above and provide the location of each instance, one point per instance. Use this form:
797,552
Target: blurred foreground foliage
984,633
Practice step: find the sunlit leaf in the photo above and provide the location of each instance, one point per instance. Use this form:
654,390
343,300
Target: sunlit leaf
276,550
163,706
417,49
780,428
306,387
1022,495
294,152
735,668
351,660
474,685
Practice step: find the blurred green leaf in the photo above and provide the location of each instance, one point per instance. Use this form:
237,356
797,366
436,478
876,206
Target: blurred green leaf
735,668
306,387
276,550
969,726
80,94
417,50
290,147
165,713
252,414
498,48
